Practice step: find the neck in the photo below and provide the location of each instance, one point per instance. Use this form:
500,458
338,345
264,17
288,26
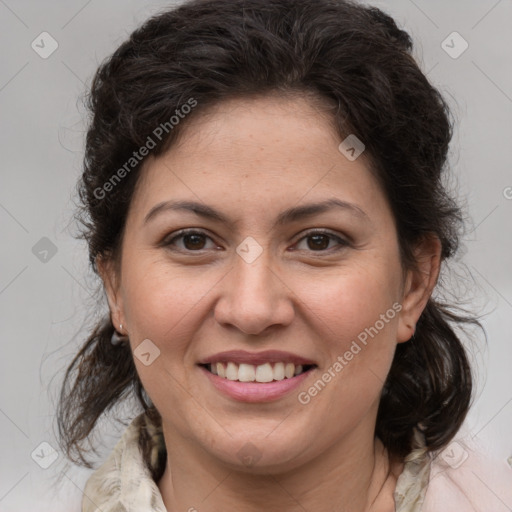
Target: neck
355,475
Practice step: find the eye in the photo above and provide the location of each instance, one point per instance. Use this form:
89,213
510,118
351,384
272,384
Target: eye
319,241
193,240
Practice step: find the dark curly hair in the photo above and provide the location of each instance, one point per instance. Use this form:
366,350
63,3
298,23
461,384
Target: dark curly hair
358,63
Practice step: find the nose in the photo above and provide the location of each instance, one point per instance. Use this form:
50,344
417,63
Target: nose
254,297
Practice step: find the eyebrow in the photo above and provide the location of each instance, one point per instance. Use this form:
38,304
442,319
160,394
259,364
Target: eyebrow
288,216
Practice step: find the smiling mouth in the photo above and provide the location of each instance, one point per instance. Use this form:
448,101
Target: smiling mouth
263,373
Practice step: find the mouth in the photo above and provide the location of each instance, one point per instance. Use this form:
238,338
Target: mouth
256,376
261,373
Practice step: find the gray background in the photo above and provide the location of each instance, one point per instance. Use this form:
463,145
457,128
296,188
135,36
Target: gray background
44,304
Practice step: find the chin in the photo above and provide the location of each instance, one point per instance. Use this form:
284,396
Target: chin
260,453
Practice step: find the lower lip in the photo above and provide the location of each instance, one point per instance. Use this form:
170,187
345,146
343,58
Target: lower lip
255,391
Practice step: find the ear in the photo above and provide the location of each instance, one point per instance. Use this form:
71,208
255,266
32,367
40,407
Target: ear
108,274
419,285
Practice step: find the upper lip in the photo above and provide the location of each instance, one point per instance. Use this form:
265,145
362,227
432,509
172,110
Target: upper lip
256,358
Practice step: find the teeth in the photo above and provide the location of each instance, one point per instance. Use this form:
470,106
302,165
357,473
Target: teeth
246,373
251,373
279,371
232,371
264,373
289,370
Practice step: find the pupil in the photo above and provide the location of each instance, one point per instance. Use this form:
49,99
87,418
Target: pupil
195,239
319,245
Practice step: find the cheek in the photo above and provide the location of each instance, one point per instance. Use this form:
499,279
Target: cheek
165,307
159,302
355,315
355,325
347,301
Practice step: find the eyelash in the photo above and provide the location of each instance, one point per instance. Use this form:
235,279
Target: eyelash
180,234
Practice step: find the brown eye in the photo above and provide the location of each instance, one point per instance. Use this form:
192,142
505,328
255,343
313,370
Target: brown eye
319,241
191,241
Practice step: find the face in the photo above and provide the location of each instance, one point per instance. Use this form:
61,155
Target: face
319,290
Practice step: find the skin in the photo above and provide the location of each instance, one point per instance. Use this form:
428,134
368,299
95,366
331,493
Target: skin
251,159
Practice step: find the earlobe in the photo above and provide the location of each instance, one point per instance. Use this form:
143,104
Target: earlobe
110,284
419,285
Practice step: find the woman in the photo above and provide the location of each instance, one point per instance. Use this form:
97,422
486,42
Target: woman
263,200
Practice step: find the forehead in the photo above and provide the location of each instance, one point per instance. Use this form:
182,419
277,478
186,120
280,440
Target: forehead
258,153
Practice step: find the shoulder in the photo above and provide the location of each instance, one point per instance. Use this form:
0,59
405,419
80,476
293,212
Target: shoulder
123,478
462,477
466,475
